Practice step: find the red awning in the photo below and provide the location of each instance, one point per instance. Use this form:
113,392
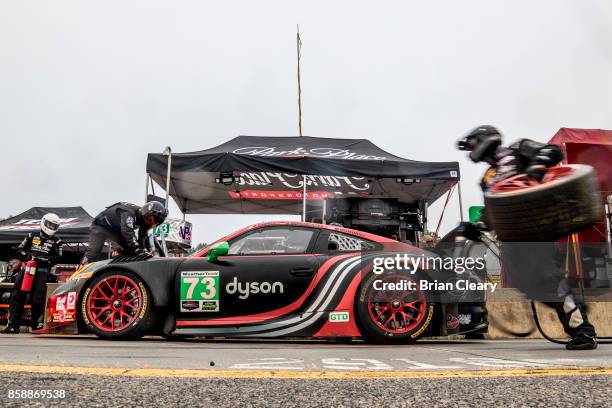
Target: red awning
592,136
592,147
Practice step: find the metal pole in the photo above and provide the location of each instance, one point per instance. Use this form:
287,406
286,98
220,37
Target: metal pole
460,200
424,218
168,152
304,198
147,188
608,208
163,240
299,54
324,211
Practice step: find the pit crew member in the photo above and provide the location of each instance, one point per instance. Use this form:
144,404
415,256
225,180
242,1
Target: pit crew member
118,223
45,249
534,272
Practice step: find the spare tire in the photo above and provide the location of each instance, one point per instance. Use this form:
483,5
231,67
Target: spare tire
565,201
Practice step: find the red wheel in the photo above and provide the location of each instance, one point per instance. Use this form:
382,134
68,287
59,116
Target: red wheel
116,305
567,200
393,314
522,181
397,311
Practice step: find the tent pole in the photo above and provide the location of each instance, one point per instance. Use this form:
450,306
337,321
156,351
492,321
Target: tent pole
299,54
304,198
460,200
168,152
324,210
147,188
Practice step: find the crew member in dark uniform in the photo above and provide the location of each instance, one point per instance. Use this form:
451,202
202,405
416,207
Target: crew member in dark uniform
46,249
118,223
535,267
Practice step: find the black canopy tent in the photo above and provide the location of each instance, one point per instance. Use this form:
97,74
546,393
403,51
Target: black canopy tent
74,227
266,175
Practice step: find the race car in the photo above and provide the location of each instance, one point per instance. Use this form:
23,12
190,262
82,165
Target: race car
269,280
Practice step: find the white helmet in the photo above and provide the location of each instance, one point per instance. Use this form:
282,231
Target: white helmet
49,224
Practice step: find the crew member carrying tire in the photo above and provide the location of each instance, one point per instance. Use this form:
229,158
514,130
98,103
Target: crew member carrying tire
42,250
118,224
528,216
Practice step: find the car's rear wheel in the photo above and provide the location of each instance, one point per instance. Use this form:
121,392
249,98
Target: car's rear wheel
117,305
393,316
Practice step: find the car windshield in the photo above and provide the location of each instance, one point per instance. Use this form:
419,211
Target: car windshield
272,241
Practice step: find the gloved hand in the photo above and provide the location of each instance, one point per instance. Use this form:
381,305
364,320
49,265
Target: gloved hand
469,231
143,251
536,171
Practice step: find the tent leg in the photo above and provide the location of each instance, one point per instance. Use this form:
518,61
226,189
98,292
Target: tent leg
324,211
460,200
168,152
147,188
304,199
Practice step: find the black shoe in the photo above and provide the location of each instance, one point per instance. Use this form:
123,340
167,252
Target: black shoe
39,326
10,330
582,341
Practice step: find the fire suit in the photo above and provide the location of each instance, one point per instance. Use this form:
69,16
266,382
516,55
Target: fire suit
46,251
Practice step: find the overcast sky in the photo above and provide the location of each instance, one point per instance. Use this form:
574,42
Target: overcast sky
88,88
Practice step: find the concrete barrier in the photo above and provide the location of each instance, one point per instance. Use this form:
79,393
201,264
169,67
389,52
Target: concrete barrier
509,308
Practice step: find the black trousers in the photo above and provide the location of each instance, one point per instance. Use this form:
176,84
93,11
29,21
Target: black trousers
98,235
37,297
535,268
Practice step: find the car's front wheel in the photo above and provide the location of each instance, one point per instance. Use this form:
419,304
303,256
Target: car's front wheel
117,305
393,316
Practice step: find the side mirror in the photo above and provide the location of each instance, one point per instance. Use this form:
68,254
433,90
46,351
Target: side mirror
221,249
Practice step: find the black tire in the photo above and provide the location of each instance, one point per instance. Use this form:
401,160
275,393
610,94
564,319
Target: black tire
373,332
548,211
136,325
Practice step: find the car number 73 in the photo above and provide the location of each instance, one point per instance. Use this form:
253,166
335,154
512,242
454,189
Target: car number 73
209,287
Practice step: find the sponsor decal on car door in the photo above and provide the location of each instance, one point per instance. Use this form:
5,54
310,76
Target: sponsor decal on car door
199,291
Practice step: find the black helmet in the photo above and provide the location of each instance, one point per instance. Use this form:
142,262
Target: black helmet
156,209
481,142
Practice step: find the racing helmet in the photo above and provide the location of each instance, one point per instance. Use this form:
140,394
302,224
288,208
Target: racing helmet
481,142
49,224
154,213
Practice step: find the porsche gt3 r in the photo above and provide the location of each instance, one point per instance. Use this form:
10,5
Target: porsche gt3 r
279,279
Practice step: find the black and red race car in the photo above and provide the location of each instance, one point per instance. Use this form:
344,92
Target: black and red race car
277,279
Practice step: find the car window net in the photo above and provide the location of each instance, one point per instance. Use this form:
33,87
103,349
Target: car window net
345,242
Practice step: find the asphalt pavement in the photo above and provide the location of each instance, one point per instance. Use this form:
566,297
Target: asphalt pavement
86,371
